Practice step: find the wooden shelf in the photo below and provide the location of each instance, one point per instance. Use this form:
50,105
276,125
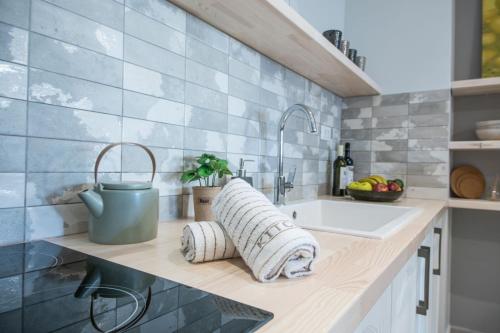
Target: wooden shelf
479,204
474,145
279,32
476,87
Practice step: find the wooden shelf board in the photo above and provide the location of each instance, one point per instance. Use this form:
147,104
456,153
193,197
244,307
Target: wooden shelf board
474,145
279,32
476,87
479,204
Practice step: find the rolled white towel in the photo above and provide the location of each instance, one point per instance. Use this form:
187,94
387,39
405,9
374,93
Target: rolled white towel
267,240
206,241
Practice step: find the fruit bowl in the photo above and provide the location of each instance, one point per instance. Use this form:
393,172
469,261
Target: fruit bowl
375,196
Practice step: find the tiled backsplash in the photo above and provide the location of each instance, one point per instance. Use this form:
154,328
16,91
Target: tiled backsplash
76,75
402,135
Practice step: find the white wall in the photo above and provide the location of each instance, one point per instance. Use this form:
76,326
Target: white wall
322,14
408,43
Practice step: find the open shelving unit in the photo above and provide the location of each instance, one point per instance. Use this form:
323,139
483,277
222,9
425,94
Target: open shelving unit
474,87
276,30
479,204
474,145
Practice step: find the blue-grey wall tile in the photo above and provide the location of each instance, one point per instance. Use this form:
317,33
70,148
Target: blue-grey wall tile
268,148
273,84
53,55
245,54
271,68
153,57
430,108
14,44
44,121
389,168
364,134
60,188
11,225
429,132
206,77
206,55
15,12
145,28
162,11
362,156
58,23
428,156
388,145
205,119
153,83
428,144
49,155
361,123
428,169
312,95
244,90
390,111
394,99
390,122
206,33
170,208
13,153
12,193
268,131
244,72
357,113
430,120
152,133
242,126
197,139
107,12
12,116
134,159
13,80
146,107
56,220
390,156
390,134
427,181
242,145
271,100
205,98
430,96
245,109
56,89
12,293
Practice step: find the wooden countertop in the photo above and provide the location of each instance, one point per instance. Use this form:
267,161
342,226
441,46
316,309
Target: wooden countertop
350,275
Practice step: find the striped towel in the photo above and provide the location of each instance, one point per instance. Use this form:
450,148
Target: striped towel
206,241
268,241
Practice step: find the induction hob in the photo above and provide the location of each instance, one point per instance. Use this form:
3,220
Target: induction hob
48,288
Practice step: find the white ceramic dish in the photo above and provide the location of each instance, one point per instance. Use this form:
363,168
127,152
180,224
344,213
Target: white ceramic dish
488,124
488,133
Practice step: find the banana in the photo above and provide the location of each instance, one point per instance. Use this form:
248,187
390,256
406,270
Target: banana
368,180
379,179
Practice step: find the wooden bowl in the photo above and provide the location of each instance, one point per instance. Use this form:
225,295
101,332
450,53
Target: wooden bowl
375,196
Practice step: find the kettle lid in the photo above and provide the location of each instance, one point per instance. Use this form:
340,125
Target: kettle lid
127,185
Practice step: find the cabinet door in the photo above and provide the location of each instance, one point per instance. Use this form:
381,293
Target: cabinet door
440,276
424,317
378,320
404,297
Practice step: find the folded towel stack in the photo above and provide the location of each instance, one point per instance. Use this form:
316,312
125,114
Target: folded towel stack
267,240
206,241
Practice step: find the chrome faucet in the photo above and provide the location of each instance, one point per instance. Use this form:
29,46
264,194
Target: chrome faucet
282,184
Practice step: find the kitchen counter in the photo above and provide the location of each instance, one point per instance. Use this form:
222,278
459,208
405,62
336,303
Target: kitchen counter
350,275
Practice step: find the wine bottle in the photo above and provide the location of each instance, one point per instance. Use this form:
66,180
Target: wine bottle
339,173
349,164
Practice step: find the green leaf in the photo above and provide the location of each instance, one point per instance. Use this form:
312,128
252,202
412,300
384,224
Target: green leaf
189,176
206,159
205,171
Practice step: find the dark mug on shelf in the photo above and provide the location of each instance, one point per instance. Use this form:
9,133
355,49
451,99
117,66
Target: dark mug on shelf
334,36
352,54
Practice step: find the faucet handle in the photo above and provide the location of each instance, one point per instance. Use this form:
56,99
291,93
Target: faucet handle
291,178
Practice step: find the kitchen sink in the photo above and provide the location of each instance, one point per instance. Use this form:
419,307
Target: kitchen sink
377,221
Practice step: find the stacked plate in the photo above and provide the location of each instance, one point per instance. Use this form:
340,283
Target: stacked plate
488,130
467,182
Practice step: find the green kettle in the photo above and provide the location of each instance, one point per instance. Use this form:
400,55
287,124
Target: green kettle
122,212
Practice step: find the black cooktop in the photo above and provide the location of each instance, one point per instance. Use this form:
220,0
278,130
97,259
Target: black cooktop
48,288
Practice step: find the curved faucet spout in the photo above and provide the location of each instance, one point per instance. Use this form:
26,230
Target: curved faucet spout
281,184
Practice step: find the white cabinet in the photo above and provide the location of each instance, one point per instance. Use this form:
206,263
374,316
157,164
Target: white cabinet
417,299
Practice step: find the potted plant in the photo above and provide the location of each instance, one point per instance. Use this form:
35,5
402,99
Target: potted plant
210,169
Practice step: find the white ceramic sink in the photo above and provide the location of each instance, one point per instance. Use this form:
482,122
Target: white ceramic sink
353,218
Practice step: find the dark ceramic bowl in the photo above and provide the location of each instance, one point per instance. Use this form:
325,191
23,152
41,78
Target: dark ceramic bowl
375,196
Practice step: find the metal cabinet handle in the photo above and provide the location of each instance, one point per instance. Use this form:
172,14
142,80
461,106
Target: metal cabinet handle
439,232
423,306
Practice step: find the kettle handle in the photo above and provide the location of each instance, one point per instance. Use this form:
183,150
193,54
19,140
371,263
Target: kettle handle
108,147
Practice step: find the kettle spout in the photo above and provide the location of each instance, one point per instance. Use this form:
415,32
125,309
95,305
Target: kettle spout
93,201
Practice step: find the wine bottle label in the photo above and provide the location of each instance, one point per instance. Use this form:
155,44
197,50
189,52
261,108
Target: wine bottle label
349,175
343,178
